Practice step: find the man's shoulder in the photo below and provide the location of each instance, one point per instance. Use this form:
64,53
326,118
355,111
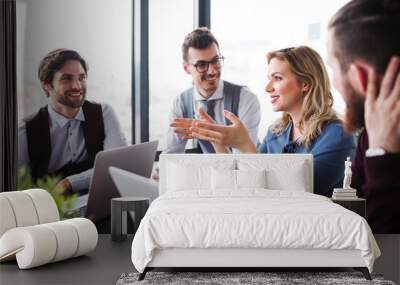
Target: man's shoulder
36,115
186,92
185,96
105,107
244,90
233,84
93,104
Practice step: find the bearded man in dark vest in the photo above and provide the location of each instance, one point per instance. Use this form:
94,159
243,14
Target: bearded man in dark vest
64,136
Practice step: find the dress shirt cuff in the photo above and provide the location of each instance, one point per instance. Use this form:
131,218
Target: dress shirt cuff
383,170
375,152
78,182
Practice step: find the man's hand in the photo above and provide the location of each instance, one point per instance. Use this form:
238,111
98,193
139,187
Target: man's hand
235,135
182,126
206,118
156,174
382,112
66,186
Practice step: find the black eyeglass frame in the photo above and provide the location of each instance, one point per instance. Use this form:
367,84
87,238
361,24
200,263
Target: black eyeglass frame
202,66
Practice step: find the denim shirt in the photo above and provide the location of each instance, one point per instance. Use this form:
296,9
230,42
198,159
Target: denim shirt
329,149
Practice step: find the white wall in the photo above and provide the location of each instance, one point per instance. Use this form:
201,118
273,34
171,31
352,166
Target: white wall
100,30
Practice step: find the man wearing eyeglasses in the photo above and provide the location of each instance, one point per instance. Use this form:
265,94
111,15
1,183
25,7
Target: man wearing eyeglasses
203,61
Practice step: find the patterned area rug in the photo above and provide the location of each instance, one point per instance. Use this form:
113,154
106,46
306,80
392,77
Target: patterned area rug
229,278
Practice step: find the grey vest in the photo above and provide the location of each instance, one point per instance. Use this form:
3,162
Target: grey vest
231,100
231,94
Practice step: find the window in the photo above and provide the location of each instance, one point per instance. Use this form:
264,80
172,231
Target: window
100,30
247,30
167,79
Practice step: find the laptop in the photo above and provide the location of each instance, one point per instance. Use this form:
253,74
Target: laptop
136,158
131,184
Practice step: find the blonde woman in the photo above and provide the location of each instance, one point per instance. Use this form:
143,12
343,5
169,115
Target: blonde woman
298,86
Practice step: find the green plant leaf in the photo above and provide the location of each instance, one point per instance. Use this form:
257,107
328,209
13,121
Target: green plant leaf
48,183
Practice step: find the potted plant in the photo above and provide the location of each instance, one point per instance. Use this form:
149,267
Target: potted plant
49,183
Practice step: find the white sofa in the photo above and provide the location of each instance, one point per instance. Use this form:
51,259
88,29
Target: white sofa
31,231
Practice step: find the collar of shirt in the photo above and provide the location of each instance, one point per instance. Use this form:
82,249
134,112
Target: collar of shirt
60,119
287,141
284,137
218,94
286,132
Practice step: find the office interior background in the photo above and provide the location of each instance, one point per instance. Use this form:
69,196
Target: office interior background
133,49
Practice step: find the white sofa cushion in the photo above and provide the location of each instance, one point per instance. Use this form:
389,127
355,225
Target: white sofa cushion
40,244
34,244
66,237
87,235
23,208
26,208
45,206
7,218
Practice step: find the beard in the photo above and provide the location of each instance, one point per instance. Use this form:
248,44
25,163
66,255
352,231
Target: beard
68,100
354,112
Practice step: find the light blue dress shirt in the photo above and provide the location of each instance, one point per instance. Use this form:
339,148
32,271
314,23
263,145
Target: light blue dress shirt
329,149
68,143
248,112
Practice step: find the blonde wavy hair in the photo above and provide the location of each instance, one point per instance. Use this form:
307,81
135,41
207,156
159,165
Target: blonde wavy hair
316,110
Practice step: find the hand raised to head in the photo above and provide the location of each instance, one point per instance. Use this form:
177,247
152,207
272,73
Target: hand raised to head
382,112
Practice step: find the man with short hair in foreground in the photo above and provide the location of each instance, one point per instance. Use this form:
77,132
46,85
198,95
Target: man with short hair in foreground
363,42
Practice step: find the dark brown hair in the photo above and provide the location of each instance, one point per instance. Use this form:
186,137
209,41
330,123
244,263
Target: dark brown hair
368,30
54,61
200,38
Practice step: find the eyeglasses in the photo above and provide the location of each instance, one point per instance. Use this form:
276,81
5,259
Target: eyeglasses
202,65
